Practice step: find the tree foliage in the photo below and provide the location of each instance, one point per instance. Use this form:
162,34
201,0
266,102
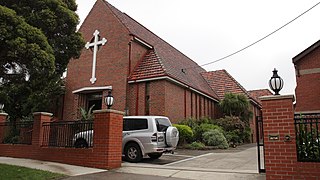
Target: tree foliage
37,40
236,105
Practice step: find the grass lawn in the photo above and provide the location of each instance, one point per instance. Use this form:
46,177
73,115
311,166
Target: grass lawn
18,172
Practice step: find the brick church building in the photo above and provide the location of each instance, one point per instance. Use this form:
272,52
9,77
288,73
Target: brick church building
147,76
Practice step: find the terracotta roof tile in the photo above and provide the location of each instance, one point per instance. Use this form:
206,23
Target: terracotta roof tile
222,82
258,93
150,66
173,61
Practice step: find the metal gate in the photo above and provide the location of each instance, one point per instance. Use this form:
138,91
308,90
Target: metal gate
260,144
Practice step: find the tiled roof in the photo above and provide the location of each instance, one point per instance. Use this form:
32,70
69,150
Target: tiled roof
150,66
173,61
258,93
222,82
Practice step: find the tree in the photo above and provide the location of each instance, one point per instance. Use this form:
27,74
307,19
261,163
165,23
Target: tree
37,40
236,105
58,21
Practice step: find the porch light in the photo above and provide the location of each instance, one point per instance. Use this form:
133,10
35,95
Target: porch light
276,82
109,100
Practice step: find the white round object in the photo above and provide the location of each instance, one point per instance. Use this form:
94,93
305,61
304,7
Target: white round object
172,136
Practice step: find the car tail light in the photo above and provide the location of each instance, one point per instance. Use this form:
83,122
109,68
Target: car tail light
160,137
157,137
154,137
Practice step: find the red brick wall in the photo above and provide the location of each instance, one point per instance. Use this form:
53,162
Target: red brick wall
3,118
157,98
280,155
308,92
106,152
308,85
112,59
174,101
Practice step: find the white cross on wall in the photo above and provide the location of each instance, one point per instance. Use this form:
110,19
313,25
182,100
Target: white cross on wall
95,45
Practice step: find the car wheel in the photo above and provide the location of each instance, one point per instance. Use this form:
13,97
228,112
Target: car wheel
155,155
81,143
133,152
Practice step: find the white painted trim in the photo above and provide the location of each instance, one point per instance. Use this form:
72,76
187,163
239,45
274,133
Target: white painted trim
175,81
274,97
307,112
142,42
43,113
108,111
148,79
309,71
92,89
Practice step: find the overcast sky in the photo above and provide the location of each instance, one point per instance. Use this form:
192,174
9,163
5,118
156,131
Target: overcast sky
207,30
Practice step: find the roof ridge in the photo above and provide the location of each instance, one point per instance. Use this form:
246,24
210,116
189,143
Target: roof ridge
123,13
112,8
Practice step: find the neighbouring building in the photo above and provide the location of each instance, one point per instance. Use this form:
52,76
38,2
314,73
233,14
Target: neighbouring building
307,65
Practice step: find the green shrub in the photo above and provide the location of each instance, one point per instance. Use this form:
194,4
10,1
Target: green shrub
196,145
185,133
230,123
215,138
204,120
233,137
191,122
202,128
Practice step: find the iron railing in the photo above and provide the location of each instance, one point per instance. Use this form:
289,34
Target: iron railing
307,128
62,134
16,132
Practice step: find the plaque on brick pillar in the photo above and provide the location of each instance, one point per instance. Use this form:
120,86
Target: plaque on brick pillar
94,44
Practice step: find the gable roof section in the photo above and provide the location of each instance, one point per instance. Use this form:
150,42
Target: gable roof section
222,82
258,93
172,60
306,52
150,66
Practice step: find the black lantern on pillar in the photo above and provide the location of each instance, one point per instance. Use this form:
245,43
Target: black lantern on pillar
108,100
276,82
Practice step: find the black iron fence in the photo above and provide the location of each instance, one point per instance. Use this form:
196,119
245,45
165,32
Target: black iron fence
65,133
16,132
307,128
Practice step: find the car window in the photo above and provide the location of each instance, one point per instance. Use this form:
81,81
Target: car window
134,124
162,124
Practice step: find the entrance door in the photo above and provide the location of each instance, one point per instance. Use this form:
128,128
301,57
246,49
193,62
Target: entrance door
260,144
94,99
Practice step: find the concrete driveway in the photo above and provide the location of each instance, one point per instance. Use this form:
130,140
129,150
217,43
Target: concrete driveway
234,163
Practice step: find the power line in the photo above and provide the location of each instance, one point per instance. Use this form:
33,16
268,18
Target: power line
246,47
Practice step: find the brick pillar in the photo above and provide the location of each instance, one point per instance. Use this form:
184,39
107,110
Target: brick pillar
37,133
278,123
3,118
107,138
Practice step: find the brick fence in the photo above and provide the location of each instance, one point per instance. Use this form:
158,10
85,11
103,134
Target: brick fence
280,141
106,152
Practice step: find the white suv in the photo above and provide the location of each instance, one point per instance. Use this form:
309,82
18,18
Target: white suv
142,136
